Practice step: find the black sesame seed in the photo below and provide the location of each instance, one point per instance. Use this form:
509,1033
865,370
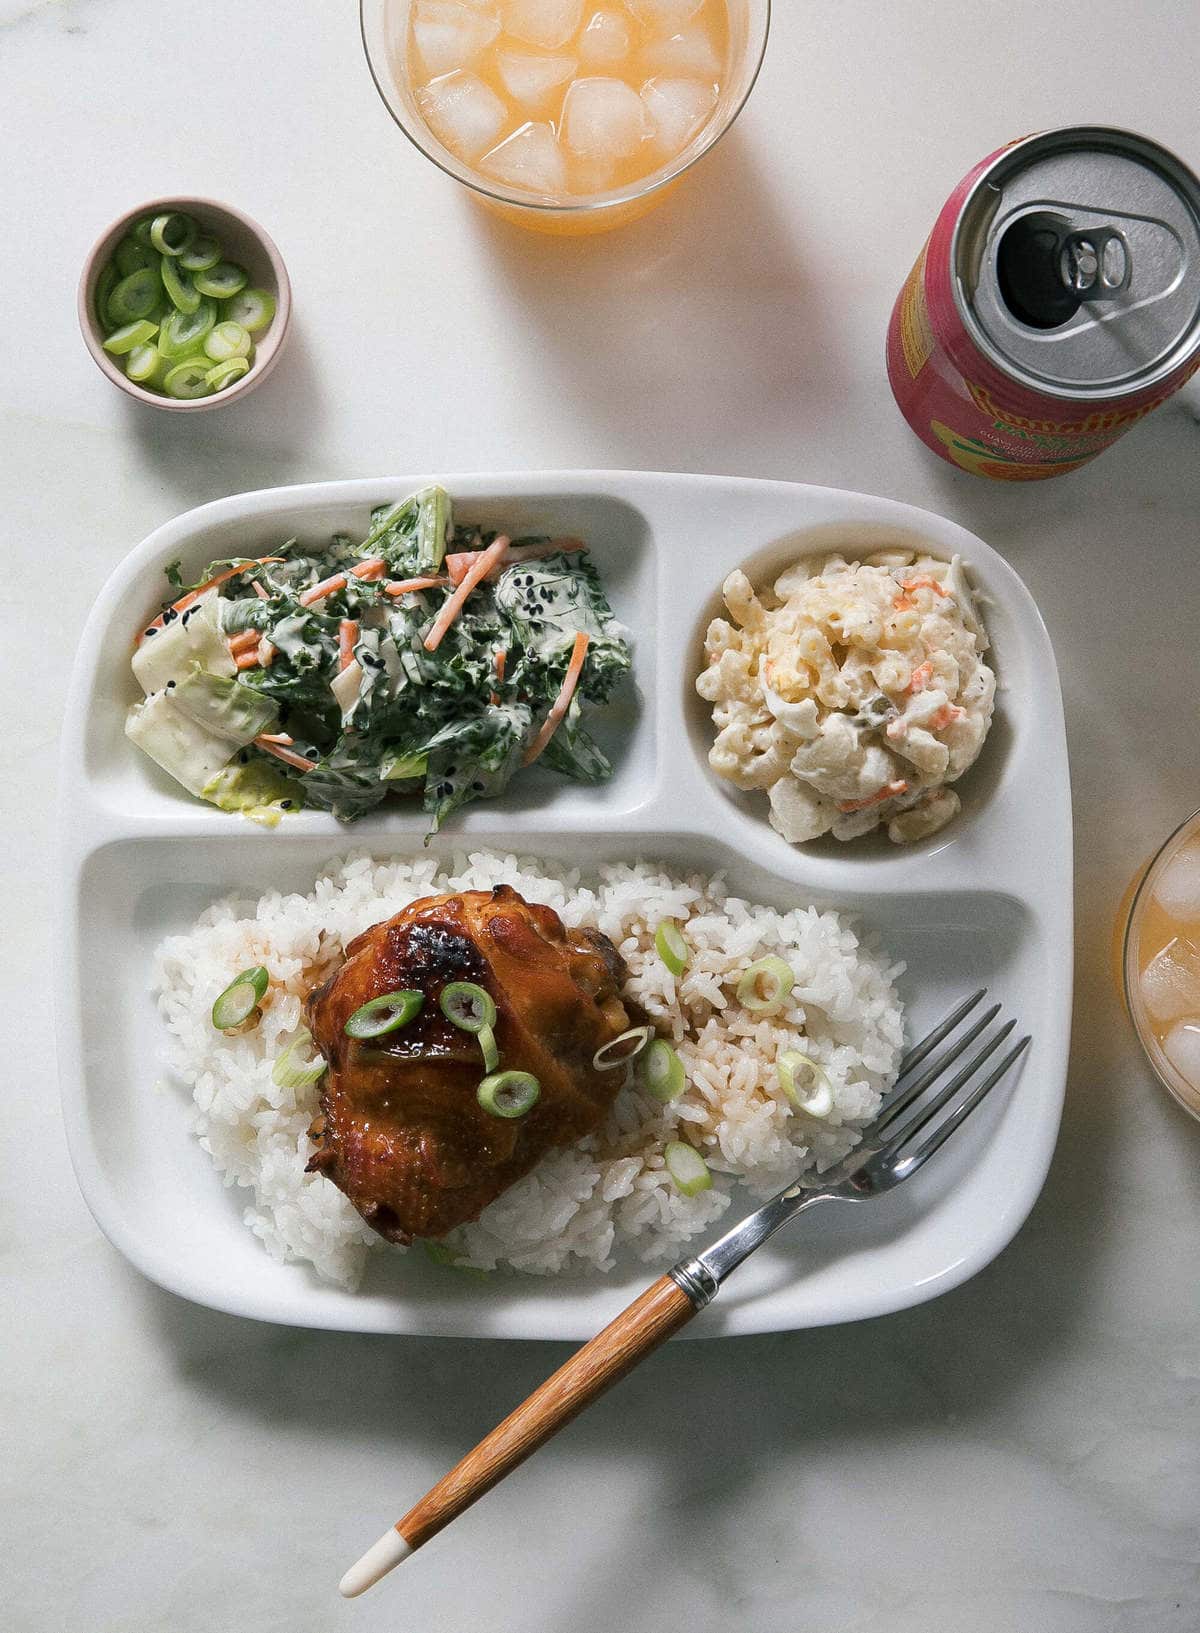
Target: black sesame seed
153,630
285,805
170,686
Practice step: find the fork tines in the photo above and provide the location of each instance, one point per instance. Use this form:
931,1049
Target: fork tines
906,1111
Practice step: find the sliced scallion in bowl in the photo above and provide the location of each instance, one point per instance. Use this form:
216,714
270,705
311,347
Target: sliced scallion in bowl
200,313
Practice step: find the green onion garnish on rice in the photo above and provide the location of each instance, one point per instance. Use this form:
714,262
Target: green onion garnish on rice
661,1071
766,985
289,1072
805,1083
240,999
621,1050
671,947
687,1168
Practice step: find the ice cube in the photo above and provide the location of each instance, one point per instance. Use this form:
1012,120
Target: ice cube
532,79
449,34
664,16
463,113
530,159
1177,890
1182,1048
689,52
677,109
604,119
605,41
548,23
1171,981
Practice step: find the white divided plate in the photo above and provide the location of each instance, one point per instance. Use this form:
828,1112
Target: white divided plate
986,902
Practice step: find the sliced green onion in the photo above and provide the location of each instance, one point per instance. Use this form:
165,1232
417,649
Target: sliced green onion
134,297
661,1071
805,1083
671,947
124,339
228,340
188,379
620,1051
490,1049
252,308
290,1073
183,333
509,1094
240,999
143,363
185,296
687,1168
385,1014
766,986
130,256
106,282
224,374
203,252
172,233
222,281
468,1006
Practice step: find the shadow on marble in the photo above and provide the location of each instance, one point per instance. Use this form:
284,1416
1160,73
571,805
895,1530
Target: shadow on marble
584,318
260,440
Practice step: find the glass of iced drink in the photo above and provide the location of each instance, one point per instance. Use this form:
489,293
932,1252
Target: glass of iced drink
1162,963
566,116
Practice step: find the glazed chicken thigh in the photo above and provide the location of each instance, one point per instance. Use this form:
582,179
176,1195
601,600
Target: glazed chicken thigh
401,1131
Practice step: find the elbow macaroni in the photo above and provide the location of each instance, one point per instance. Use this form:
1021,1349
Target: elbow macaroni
852,693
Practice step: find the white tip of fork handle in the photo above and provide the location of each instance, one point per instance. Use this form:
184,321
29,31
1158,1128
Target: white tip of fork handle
379,1559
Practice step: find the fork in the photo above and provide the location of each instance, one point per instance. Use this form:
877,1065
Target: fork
891,1151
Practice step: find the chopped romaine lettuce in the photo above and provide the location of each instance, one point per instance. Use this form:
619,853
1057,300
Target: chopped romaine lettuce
186,638
224,706
254,789
187,751
455,722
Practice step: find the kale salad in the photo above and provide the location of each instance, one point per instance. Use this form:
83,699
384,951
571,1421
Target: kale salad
427,658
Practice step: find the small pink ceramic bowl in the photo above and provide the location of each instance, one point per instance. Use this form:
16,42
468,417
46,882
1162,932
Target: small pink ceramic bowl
242,241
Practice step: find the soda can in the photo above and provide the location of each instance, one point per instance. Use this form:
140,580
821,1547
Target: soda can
1056,302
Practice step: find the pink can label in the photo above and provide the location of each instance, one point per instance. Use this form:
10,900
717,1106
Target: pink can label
964,408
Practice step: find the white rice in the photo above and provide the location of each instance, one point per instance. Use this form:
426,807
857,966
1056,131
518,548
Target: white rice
611,1193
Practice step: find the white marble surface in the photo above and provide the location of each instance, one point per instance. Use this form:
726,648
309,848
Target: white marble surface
1022,1456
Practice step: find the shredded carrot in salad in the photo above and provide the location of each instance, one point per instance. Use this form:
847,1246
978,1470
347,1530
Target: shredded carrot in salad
369,570
347,637
458,564
920,677
408,586
562,702
190,599
927,582
297,761
318,592
246,660
478,571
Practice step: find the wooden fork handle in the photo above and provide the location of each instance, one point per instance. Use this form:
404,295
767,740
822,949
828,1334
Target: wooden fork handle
648,1322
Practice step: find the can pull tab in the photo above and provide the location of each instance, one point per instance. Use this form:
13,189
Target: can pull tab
1095,264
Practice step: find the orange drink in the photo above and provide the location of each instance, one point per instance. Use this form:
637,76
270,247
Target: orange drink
565,114
1162,963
